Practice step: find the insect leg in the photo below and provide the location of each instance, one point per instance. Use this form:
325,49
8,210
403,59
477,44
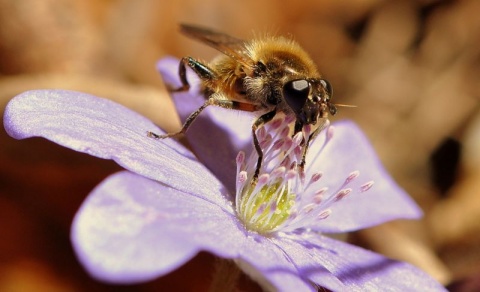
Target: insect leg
229,104
263,119
203,71
186,125
311,137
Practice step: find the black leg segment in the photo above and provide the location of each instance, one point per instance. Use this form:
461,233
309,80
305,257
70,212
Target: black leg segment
262,120
202,70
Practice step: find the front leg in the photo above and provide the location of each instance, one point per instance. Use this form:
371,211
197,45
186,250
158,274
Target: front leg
310,138
262,120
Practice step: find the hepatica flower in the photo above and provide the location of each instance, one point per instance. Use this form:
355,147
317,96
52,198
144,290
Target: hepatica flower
170,204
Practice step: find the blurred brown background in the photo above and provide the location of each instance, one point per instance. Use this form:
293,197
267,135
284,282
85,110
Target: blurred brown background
411,67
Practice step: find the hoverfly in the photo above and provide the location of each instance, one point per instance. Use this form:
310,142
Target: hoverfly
270,75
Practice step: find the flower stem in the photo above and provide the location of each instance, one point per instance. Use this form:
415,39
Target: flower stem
225,276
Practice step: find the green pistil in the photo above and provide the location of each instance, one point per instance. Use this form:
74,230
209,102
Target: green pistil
267,208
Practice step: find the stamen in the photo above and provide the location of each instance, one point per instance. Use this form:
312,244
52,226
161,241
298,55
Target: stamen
307,129
353,175
242,177
319,195
293,165
318,198
315,177
241,181
321,191
309,208
278,144
285,162
263,179
261,209
298,138
291,174
289,119
240,159
284,132
293,215
301,174
278,172
265,142
273,208
283,201
366,186
342,194
330,132
297,151
324,214
261,133
287,145
276,124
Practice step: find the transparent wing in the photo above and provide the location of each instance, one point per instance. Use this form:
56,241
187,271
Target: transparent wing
228,45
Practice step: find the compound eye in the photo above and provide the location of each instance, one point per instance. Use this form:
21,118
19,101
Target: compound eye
328,88
296,93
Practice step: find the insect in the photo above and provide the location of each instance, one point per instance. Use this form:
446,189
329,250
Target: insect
269,75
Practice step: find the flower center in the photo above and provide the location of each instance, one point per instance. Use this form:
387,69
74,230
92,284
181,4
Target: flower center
282,200
265,208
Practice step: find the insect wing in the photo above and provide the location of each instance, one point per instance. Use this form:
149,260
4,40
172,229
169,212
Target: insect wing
228,45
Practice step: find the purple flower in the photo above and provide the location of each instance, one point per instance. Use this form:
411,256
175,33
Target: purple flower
142,223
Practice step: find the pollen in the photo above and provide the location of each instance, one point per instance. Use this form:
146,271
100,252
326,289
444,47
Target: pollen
264,208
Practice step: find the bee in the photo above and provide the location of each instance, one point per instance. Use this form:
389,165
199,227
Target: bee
269,75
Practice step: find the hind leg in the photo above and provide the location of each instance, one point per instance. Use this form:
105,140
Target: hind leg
202,70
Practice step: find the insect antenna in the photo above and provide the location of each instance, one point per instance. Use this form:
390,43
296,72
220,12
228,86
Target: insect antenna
344,105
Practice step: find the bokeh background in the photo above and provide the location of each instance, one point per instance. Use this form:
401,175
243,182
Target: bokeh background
410,67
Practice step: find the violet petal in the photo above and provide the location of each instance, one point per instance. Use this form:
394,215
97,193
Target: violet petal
105,129
360,269
270,266
348,151
132,229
